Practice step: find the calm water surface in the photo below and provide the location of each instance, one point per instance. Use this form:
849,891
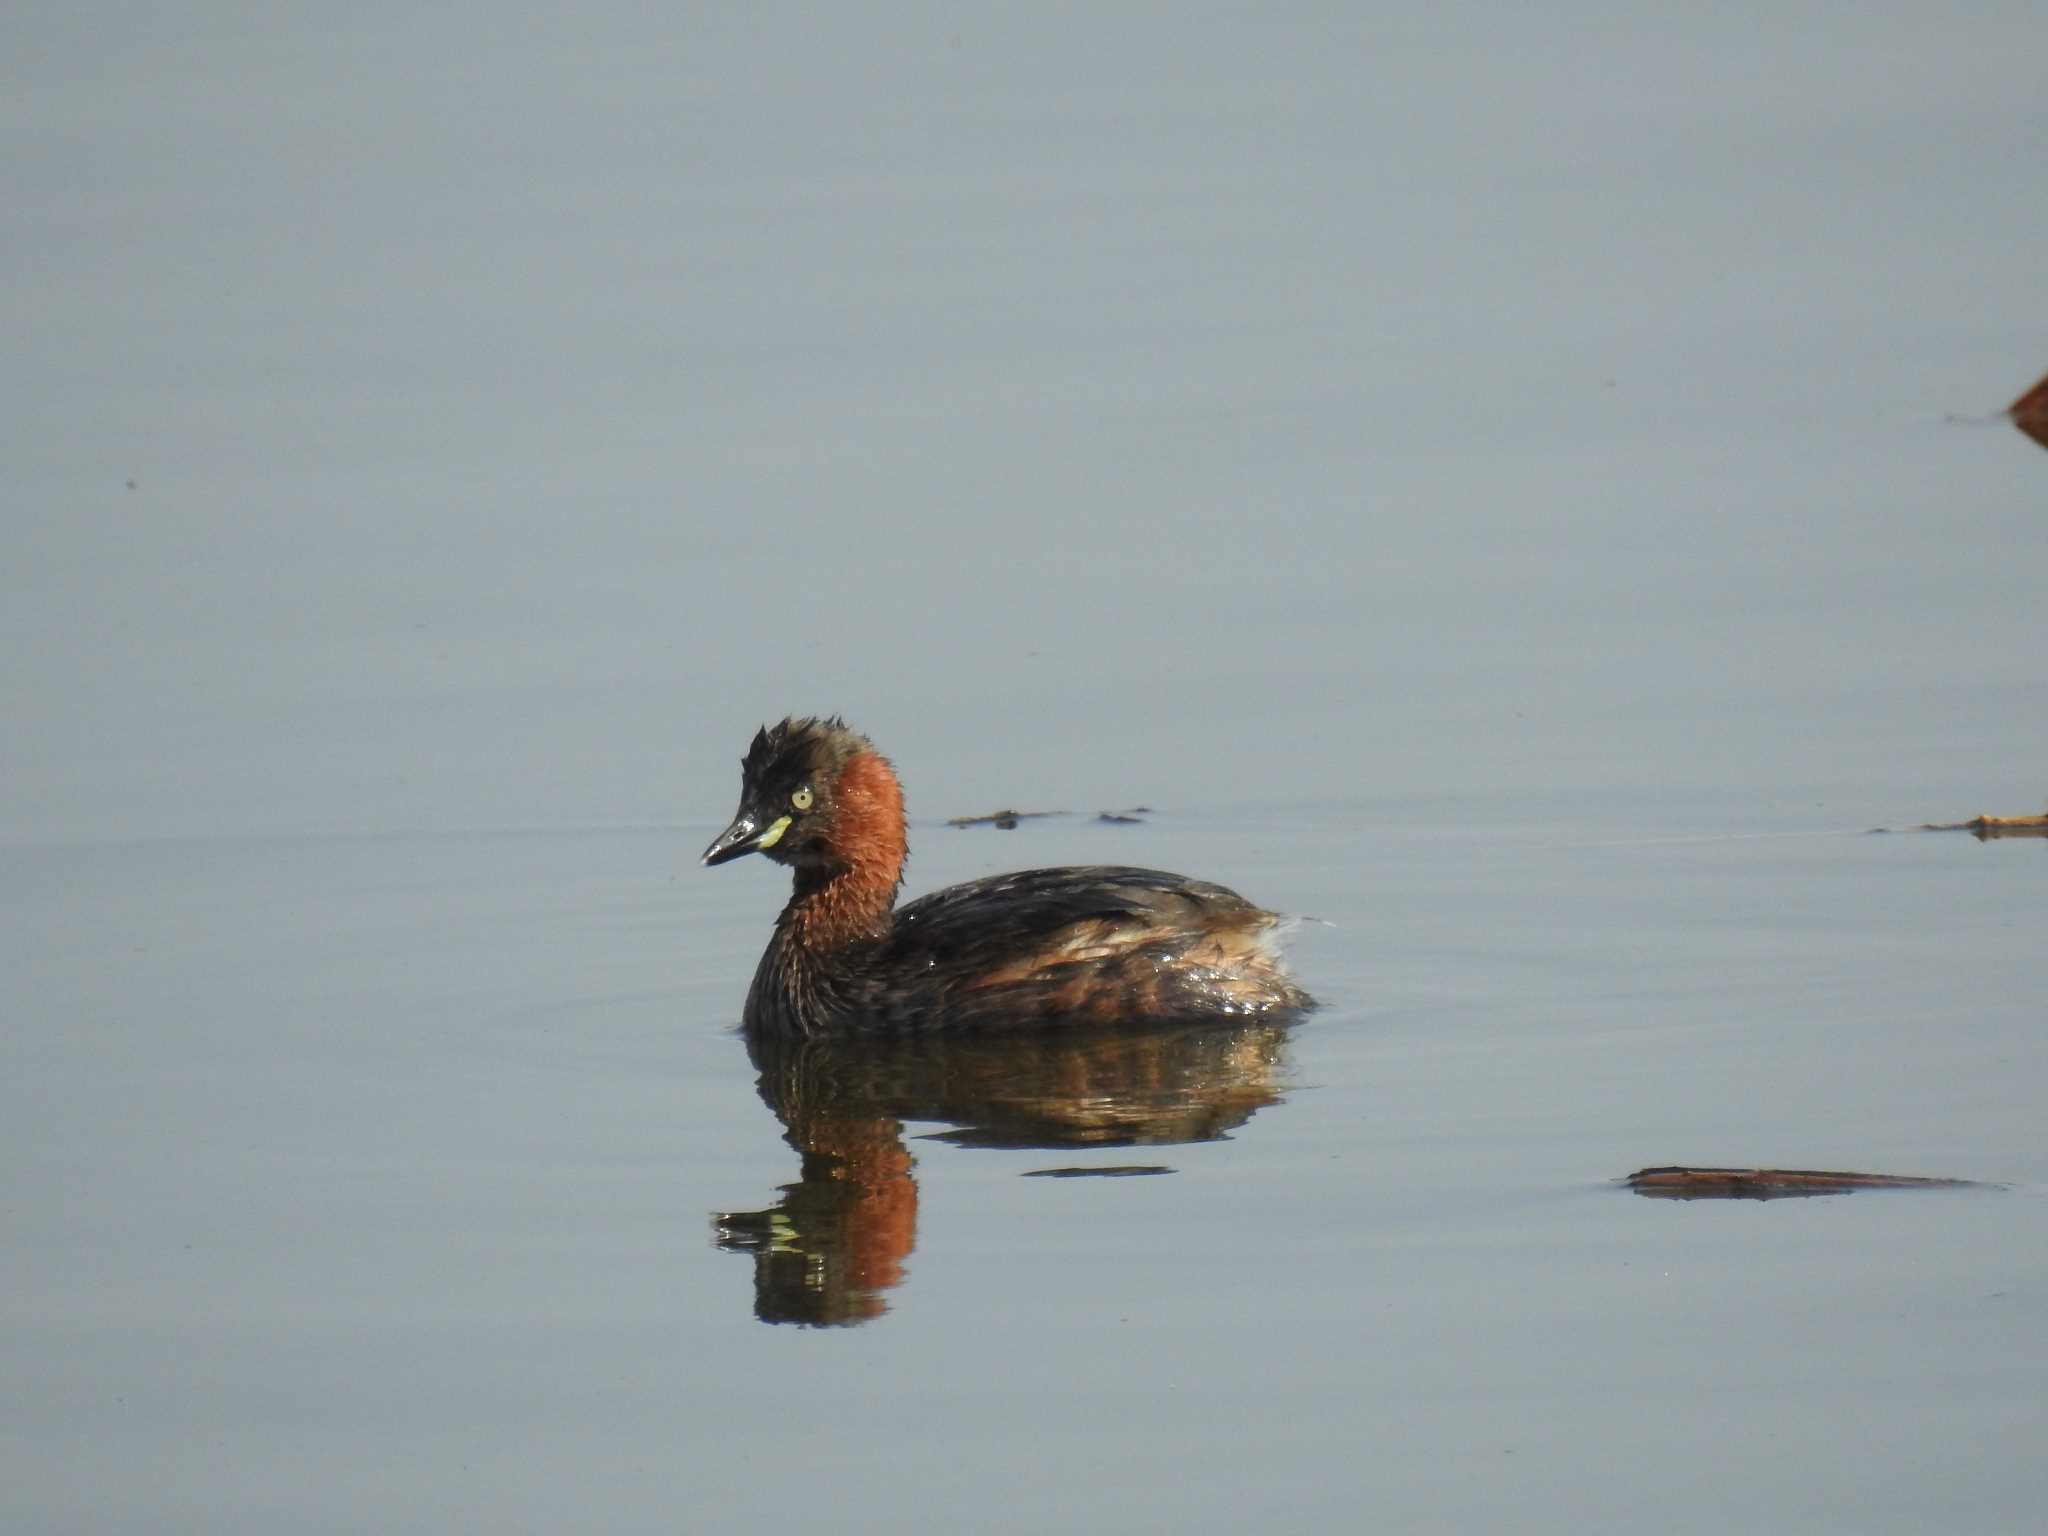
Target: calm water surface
1485,480
417,1180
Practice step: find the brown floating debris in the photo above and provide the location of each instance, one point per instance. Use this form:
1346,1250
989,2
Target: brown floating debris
1119,1171
2030,412
1992,826
1680,1183
1003,820
1007,820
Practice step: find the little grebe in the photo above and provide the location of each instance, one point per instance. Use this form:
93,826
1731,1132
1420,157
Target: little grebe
1099,944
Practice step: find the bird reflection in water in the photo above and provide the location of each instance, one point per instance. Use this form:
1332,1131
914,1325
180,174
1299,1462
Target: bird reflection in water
825,1253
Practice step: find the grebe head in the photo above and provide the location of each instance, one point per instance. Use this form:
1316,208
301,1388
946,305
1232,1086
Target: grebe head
799,804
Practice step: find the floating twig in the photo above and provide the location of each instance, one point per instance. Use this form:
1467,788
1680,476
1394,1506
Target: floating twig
1119,1171
1005,821
1002,820
1681,1183
1992,826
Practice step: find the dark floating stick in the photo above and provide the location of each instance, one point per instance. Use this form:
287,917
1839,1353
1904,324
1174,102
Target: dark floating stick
1119,1171
1002,820
2030,412
1992,826
1678,1183
1006,821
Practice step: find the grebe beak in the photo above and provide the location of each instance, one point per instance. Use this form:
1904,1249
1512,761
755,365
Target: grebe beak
745,835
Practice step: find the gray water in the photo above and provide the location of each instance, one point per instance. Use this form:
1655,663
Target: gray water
1486,479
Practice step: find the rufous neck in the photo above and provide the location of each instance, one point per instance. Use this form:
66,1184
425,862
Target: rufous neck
852,897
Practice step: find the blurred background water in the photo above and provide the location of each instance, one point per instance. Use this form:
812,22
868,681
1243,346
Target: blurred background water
1485,477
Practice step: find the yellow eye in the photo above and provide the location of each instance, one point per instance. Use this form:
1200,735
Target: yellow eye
802,798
